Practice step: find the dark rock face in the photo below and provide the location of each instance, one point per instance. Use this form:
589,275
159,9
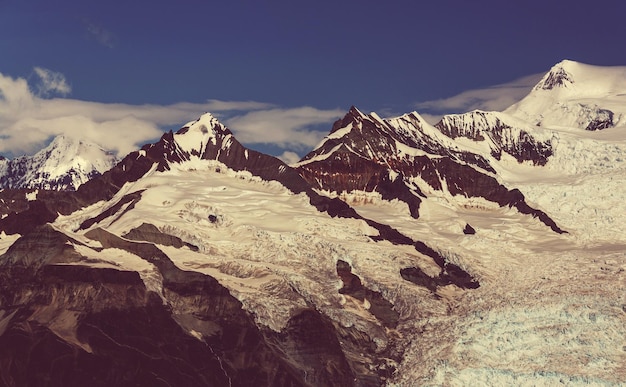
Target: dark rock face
131,199
34,214
74,324
379,306
365,153
602,119
451,274
351,172
150,233
43,245
131,339
557,77
469,230
310,341
501,136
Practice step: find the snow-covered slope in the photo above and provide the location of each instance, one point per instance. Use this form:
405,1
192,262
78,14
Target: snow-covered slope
64,164
576,95
252,223
196,261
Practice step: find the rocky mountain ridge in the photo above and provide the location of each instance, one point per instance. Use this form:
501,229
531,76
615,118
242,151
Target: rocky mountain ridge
395,157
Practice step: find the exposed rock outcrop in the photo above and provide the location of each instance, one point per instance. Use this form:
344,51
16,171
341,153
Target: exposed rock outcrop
71,323
503,134
150,233
378,305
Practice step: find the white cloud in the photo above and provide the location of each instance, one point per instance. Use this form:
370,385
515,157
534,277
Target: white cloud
14,93
289,157
283,127
28,120
51,82
431,118
494,98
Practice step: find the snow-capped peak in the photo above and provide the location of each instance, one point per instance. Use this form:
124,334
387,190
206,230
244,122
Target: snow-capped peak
576,95
64,164
64,151
412,125
194,136
583,80
558,76
355,112
207,120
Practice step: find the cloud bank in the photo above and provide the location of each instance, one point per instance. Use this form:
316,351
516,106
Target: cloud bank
287,128
31,115
494,98
289,157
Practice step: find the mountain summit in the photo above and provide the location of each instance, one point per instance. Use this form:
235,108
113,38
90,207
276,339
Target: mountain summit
576,95
63,165
558,76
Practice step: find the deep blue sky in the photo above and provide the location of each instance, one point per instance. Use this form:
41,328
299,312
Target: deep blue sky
328,54
383,56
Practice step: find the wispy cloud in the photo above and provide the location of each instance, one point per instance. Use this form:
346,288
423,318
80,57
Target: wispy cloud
283,127
51,82
494,98
99,34
30,116
289,157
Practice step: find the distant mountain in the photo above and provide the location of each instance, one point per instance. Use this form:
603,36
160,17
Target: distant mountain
63,165
576,95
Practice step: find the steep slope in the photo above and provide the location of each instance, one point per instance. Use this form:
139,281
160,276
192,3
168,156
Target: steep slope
63,165
576,95
240,257
398,157
502,134
74,314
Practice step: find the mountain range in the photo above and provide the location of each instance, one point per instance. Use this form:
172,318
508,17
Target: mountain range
487,249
